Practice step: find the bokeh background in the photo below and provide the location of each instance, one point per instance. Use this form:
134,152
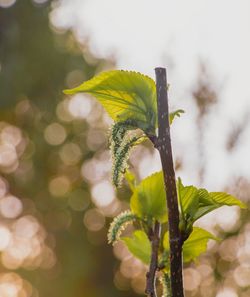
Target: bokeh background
56,199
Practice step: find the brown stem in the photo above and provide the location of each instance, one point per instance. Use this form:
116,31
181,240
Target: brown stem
151,275
163,145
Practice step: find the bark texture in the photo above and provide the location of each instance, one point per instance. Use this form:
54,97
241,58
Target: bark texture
163,144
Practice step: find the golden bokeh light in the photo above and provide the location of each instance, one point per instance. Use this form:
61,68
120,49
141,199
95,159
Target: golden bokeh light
26,227
62,111
96,169
40,1
11,134
192,279
94,220
59,186
230,218
5,237
70,154
12,146
96,139
3,187
55,134
25,245
103,194
121,282
22,244
10,207
94,119
227,292
80,106
139,283
131,267
228,249
8,155
242,276
120,251
12,285
7,3
48,258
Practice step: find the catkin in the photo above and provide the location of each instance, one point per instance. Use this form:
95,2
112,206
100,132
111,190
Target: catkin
120,145
119,224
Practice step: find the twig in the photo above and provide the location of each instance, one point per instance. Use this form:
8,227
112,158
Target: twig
151,274
163,145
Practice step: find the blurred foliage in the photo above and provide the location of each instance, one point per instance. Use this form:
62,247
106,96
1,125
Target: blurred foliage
42,149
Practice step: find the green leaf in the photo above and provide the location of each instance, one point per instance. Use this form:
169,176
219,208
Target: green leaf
149,198
139,245
124,95
130,178
188,200
226,199
166,241
176,113
213,200
195,203
195,245
140,140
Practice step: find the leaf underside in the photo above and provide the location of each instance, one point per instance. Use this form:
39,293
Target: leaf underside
124,95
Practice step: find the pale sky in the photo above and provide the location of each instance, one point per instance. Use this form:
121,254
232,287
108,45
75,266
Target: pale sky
144,34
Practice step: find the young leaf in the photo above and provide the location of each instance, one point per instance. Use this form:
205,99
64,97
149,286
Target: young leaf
195,245
226,199
196,203
124,95
119,224
188,200
139,245
213,200
149,198
176,113
129,176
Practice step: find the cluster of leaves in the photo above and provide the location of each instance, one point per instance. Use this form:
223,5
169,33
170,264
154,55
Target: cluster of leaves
148,204
130,100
